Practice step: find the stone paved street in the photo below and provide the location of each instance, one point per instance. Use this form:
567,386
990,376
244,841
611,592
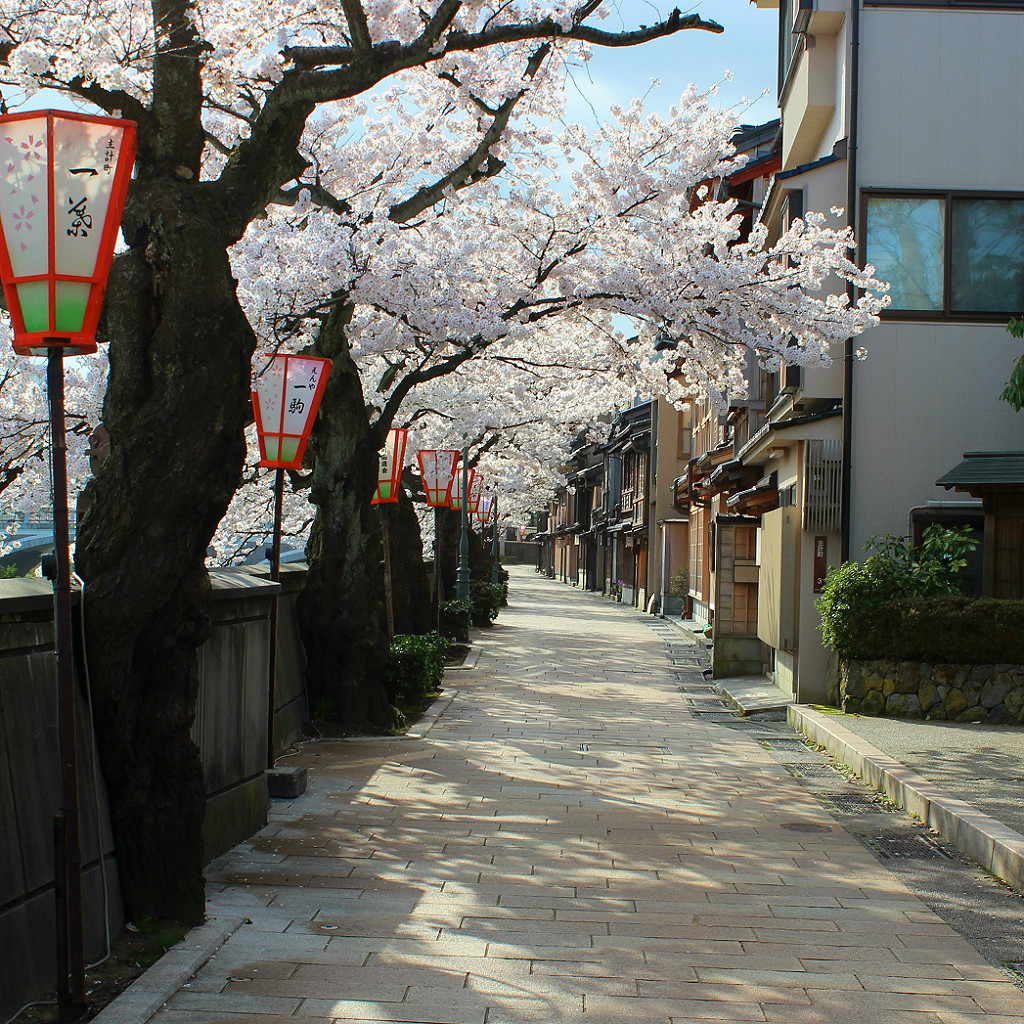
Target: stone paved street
570,842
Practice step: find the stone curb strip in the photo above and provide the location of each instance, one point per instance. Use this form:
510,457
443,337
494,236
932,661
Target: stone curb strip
141,1000
995,846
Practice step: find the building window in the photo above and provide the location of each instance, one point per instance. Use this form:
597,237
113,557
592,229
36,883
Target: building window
987,259
950,254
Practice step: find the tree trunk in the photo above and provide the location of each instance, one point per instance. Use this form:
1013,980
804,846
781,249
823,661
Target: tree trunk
341,608
176,407
414,610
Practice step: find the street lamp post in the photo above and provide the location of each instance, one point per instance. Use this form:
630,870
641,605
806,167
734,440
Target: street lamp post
438,469
65,181
286,394
392,462
495,565
462,576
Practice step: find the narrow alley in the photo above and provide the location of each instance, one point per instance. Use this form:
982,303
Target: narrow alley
574,838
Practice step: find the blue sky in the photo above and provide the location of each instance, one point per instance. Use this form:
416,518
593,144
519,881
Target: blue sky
747,48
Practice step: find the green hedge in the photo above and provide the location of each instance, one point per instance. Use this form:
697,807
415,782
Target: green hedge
487,599
455,619
415,665
945,630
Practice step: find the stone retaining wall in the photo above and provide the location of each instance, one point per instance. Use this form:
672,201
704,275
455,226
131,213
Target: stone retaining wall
953,693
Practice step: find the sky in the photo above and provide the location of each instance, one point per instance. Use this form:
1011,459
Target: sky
747,48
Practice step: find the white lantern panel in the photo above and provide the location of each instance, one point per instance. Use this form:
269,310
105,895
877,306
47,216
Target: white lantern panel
303,377
23,197
269,388
85,159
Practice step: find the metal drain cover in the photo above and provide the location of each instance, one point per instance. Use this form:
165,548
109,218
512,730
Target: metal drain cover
851,803
806,826
714,716
786,745
812,771
1017,970
894,845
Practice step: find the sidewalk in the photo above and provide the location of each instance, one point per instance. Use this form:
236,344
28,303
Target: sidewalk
966,781
574,839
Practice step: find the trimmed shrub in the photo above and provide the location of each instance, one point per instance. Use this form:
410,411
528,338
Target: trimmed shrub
455,619
942,630
415,665
503,584
854,592
486,600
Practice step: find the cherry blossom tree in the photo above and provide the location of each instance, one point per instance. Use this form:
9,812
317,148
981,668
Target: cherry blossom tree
230,101
527,274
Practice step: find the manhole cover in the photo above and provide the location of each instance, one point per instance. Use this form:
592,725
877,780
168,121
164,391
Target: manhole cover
806,826
811,771
897,845
851,803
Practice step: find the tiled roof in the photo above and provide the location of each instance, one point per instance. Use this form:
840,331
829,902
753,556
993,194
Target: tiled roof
981,469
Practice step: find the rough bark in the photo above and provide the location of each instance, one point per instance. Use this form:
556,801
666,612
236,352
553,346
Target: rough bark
341,608
410,586
175,409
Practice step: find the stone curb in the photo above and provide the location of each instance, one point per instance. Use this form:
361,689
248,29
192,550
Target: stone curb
431,715
468,662
144,997
995,846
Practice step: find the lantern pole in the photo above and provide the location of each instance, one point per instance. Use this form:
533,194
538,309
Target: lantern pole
462,576
275,577
388,601
495,567
438,585
72,852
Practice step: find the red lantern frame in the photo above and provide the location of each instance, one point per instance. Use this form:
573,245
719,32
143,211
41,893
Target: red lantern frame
82,340
436,496
392,462
285,366
456,490
486,504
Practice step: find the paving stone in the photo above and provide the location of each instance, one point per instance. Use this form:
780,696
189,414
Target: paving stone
570,844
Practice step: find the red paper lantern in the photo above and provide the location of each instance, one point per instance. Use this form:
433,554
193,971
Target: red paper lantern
286,394
65,179
438,471
486,504
476,487
456,492
392,462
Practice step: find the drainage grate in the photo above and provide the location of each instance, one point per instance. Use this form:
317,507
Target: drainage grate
791,745
714,716
851,803
806,826
1016,971
899,845
811,771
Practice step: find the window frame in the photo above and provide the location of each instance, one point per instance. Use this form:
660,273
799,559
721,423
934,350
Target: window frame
949,196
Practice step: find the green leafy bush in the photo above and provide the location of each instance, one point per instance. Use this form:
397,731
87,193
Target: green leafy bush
854,592
679,584
415,665
950,629
486,599
455,619
503,584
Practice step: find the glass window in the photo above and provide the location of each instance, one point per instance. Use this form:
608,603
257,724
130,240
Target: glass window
987,256
905,243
